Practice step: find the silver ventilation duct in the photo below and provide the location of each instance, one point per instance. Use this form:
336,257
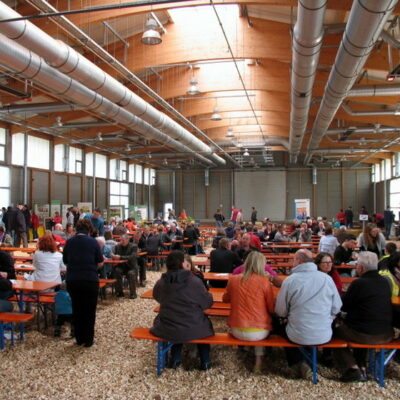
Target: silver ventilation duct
374,90
307,42
377,130
22,61
68,61
38,108
366,21
369,112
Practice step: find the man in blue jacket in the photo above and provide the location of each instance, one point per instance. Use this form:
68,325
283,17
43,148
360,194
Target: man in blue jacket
97,221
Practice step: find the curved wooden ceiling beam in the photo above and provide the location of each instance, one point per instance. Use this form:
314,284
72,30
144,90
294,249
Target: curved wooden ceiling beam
84,19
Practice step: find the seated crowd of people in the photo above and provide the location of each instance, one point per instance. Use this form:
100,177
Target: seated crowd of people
310,308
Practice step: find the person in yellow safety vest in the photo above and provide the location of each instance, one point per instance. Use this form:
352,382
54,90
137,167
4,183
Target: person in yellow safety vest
392,273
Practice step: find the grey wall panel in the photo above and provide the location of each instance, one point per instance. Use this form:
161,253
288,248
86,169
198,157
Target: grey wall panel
17,183
334,193
40,187
350,189
379,196
200,196
188,195
59,189
164,187
101,193
226,193
88,189
264,190
293,190
321,194
75,195
364,191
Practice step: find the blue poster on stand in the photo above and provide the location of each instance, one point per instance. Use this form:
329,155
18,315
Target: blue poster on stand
301,209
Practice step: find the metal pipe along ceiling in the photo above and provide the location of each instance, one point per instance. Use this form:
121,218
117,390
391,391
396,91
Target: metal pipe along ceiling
307,41
38,108
68,61
30,65
366,21
374,90
369,112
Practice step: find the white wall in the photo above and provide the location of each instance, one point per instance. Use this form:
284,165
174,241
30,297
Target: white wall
265,190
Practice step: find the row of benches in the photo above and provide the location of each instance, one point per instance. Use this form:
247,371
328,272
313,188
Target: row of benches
378,358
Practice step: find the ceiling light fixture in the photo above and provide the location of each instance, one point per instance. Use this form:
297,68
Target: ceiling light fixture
193,88
99,137
230,133
216,116
246,153
149,155
165,162
128,147
151,36
59,121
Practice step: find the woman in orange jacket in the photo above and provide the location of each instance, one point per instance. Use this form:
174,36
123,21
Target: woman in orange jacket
252,303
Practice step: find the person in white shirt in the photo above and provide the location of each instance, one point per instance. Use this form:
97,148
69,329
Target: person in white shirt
47,261
328,242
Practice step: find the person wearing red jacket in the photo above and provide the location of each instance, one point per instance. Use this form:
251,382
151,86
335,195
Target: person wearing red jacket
341,217
57,219
35,224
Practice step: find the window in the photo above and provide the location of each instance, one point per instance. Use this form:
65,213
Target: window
101,166
388,168
152,177
5,186
373,173
119,195
38,152
377,173
383,170
59,157
394,196
17,153
138,174
113,168
396,164
89,164
75,160
123,170
146,176
2,144
132,173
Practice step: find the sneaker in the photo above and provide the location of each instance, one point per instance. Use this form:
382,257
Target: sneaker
133,296
351,375
303,370
120,295
142,284
7,335
174,364
205,366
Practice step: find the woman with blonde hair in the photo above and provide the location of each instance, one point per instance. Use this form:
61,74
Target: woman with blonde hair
252,303
371,239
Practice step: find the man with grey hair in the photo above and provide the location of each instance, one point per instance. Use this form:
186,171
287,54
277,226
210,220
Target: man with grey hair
310,301
368,319
59,230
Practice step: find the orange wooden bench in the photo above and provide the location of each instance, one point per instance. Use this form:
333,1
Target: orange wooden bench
378,358
212,312
226,339
8,321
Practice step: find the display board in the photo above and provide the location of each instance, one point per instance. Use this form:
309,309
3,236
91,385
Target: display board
301,209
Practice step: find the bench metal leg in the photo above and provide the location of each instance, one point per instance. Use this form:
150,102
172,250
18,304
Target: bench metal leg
162,356
1,335
311,359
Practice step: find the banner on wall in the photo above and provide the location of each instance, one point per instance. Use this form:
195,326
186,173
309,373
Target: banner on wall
138,212
42,211
85,207
116,212
55,205
301,209
64,209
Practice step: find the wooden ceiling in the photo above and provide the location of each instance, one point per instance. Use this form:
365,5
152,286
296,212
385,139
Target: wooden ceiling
259,34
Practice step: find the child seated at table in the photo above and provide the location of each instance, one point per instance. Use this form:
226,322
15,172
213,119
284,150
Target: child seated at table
63,307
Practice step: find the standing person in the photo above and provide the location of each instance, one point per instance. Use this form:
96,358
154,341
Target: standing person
27,215
96,220
219,218
310,301
252,303
35,224
20,228
239,217
183,298
341,217
57,219
234,214
182,215
349,217
388,219
253,216
82,256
